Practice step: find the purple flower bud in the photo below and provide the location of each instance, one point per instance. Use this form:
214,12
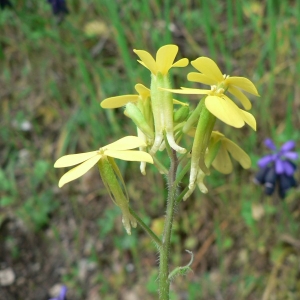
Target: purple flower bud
260,177
270,181
285,183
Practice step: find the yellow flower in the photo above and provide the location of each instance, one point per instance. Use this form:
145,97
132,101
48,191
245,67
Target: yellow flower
222,161
119,149
216,101
165,57
217,155
221,107
162,102
211,75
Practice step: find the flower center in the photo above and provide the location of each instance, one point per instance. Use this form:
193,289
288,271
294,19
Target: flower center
101,150
217,90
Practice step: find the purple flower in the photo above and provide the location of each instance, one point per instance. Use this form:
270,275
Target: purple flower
277,168
62,295
59,7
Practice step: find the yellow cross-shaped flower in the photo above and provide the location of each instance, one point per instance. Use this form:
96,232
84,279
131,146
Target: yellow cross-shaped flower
120,149
220,105
162,102
212,75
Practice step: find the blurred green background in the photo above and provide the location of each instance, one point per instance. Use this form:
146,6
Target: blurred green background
52,79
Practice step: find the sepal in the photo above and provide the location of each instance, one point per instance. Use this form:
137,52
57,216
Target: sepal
133,112
108,174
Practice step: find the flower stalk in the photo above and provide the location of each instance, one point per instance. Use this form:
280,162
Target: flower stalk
164,253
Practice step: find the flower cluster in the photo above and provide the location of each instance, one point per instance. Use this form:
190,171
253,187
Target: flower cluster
216,104
277,169
159,126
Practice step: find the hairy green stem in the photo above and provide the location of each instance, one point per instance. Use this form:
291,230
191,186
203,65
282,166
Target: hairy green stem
152,235
164,253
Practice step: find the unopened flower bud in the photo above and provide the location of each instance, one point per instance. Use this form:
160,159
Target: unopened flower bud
181,114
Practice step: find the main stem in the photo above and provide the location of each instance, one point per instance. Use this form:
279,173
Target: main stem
164,252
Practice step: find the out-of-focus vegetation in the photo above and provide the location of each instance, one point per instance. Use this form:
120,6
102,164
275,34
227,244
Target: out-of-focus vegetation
52,78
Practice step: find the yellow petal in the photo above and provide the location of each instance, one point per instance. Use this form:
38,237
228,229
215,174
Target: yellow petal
249,119
240,96
225,110
118,101
217,134
187,91
181,63
243,83
237,153
139,61
222,162
215,137
142,90
130,155
147,59
197,77
79,170
74,159
165,57
179,102
126,143
208,67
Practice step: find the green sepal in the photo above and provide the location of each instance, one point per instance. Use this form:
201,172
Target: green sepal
133,112
213,149
118,173
167,101
146,109
202,136
115,191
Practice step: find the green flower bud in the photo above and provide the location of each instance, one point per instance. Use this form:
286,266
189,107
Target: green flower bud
193,118
181,114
